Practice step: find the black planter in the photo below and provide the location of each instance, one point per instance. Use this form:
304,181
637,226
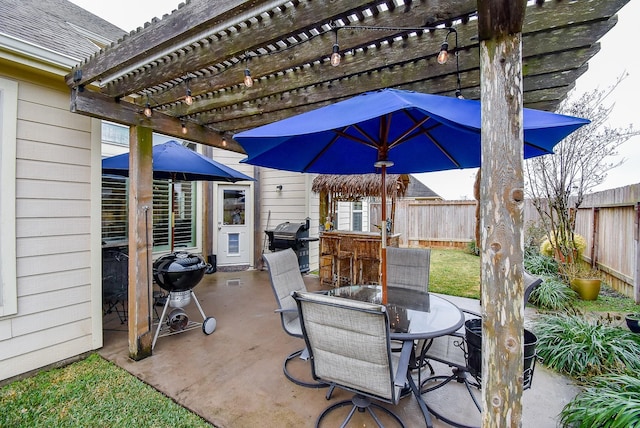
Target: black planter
633,323
473,333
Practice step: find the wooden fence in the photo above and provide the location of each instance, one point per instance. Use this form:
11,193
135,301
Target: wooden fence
609,220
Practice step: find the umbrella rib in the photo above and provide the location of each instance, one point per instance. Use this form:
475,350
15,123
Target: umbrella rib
418,124
324,149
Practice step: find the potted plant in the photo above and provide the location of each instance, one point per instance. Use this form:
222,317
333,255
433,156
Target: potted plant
633,321
583,279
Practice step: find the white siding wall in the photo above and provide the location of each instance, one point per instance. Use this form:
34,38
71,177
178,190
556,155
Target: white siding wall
57,193
294,203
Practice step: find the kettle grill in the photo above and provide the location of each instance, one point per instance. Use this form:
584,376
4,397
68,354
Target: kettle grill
178,273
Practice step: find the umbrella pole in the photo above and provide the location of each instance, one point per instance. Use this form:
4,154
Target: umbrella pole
383,246
173,212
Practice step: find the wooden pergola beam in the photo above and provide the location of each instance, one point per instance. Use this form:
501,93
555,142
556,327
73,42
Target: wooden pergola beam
95,104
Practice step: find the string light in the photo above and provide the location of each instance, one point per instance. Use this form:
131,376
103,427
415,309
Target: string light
443,56
184,127
248,80
335,55
335,58
147,108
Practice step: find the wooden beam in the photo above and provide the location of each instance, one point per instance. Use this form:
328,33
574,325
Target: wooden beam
100,106
320,46
501,209
140,242
558,39
175,29
225,45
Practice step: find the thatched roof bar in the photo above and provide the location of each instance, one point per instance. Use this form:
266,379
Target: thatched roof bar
356,186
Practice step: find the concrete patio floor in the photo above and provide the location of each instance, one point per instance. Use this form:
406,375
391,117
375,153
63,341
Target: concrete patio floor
233,378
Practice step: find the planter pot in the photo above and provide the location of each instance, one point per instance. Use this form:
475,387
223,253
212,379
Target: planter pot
587,289
633,323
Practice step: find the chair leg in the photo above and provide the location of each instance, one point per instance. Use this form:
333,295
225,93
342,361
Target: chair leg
361,404
295,380
460,376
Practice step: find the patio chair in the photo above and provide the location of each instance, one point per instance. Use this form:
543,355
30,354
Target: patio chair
115,283
284,272
349,347
462,352
409,268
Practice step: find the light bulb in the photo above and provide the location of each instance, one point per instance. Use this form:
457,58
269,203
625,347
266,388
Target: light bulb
188,100
443,56
224,142
147,110
335,55
184,128
248,80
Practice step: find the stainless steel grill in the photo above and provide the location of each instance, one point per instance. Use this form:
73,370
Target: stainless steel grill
294,236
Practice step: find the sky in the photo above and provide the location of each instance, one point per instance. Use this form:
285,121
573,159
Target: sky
614,59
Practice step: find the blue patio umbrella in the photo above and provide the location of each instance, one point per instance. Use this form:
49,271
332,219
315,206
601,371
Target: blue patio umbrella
172,160
394,131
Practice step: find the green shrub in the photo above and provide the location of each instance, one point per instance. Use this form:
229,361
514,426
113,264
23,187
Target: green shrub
472,248
580,348
611,401
553,295
549,246
540,265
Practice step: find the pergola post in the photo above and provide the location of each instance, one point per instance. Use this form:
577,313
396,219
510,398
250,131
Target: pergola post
140,241
501,201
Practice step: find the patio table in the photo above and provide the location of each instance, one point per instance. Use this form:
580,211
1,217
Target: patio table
413,315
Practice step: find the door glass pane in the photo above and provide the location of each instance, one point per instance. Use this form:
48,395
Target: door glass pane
233,243
234,207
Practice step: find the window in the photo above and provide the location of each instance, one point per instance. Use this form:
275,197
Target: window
114,209
115,134
356,216
8,124
115,212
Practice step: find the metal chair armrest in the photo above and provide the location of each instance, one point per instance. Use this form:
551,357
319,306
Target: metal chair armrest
400,379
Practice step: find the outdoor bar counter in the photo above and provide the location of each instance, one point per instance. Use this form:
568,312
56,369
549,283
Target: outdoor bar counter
352,257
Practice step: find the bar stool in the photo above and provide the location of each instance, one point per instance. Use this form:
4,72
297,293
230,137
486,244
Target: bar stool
328,250
331,246
366,254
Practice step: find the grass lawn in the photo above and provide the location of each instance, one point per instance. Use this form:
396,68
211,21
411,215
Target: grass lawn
455,273
90,393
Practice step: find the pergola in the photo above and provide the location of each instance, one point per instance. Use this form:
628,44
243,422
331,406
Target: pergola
509,54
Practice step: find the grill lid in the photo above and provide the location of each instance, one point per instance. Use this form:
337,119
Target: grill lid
178,271
288,230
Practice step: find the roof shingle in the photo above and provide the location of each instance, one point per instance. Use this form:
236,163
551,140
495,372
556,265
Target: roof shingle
58,25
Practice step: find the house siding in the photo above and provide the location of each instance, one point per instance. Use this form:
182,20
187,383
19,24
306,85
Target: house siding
57,241
294,203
